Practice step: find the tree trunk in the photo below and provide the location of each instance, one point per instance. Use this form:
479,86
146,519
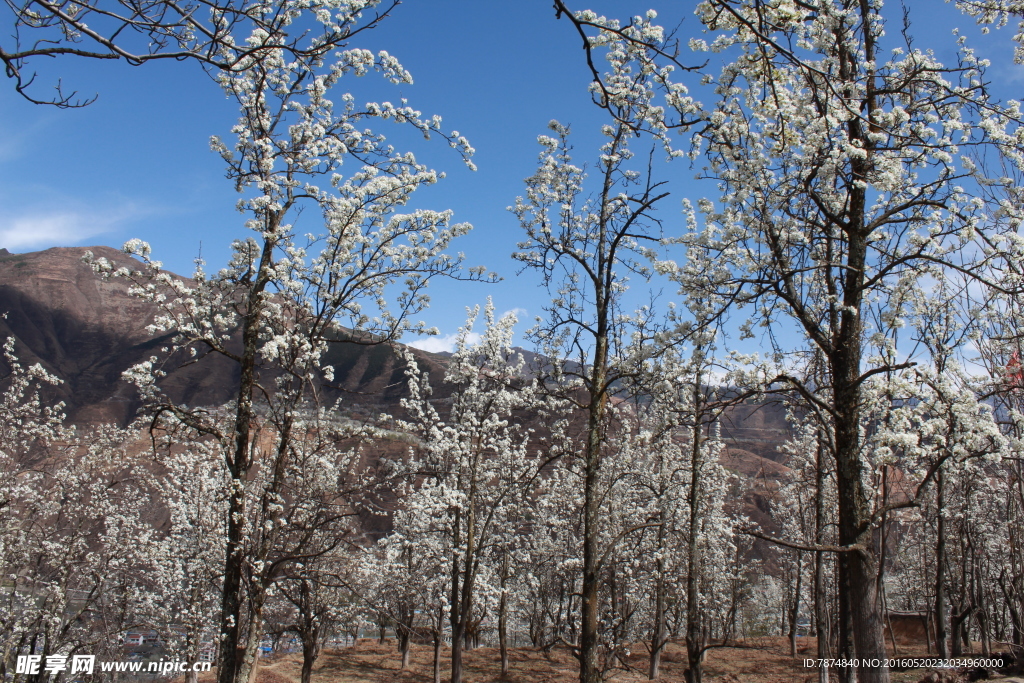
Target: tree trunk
231,670
959,632
310,653
941,634
248,656
460,610
794,610
983,629
311,625
1016,625
503,616
868,633
694,642
589,670
458,638
403,647
888,623
461,599
309,657
658,635
437,657
41,676
821,625
231,598
859,567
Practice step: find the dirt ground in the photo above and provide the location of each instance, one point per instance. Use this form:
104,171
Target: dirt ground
764,660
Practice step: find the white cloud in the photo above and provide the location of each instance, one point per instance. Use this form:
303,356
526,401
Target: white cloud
42,228
48,230
445,344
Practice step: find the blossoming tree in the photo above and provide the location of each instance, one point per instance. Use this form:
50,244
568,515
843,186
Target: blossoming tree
476,466
287,296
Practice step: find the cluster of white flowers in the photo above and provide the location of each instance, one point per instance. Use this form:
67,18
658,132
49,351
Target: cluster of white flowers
75,534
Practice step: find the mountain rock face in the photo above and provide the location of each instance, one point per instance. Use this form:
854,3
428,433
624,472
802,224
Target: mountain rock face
79,327
87,331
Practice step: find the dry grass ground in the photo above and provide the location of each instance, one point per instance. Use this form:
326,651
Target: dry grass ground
764,660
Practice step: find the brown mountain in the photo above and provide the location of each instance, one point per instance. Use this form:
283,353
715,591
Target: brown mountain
87,331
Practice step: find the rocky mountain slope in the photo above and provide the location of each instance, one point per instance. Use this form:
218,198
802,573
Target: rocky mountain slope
87,331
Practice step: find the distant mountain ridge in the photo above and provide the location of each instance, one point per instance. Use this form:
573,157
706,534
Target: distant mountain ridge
87,331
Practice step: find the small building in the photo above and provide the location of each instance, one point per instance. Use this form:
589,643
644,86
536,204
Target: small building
133,638
911,629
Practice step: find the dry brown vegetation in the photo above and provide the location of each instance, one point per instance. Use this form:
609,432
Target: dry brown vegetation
760,660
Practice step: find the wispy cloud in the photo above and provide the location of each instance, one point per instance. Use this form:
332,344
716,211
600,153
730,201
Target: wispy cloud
48,230
445,344
39,227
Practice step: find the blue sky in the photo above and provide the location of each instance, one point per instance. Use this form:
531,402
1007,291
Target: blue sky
136,163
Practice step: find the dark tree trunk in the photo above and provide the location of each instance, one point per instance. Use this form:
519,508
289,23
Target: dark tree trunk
234,668
309,657
403,648
986,637
589,670
844,630
959,631
232,597
694,672
658,632
311,627
437,657
1016,623
859,567
794,610
941,618
821,623
503,616
458,640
